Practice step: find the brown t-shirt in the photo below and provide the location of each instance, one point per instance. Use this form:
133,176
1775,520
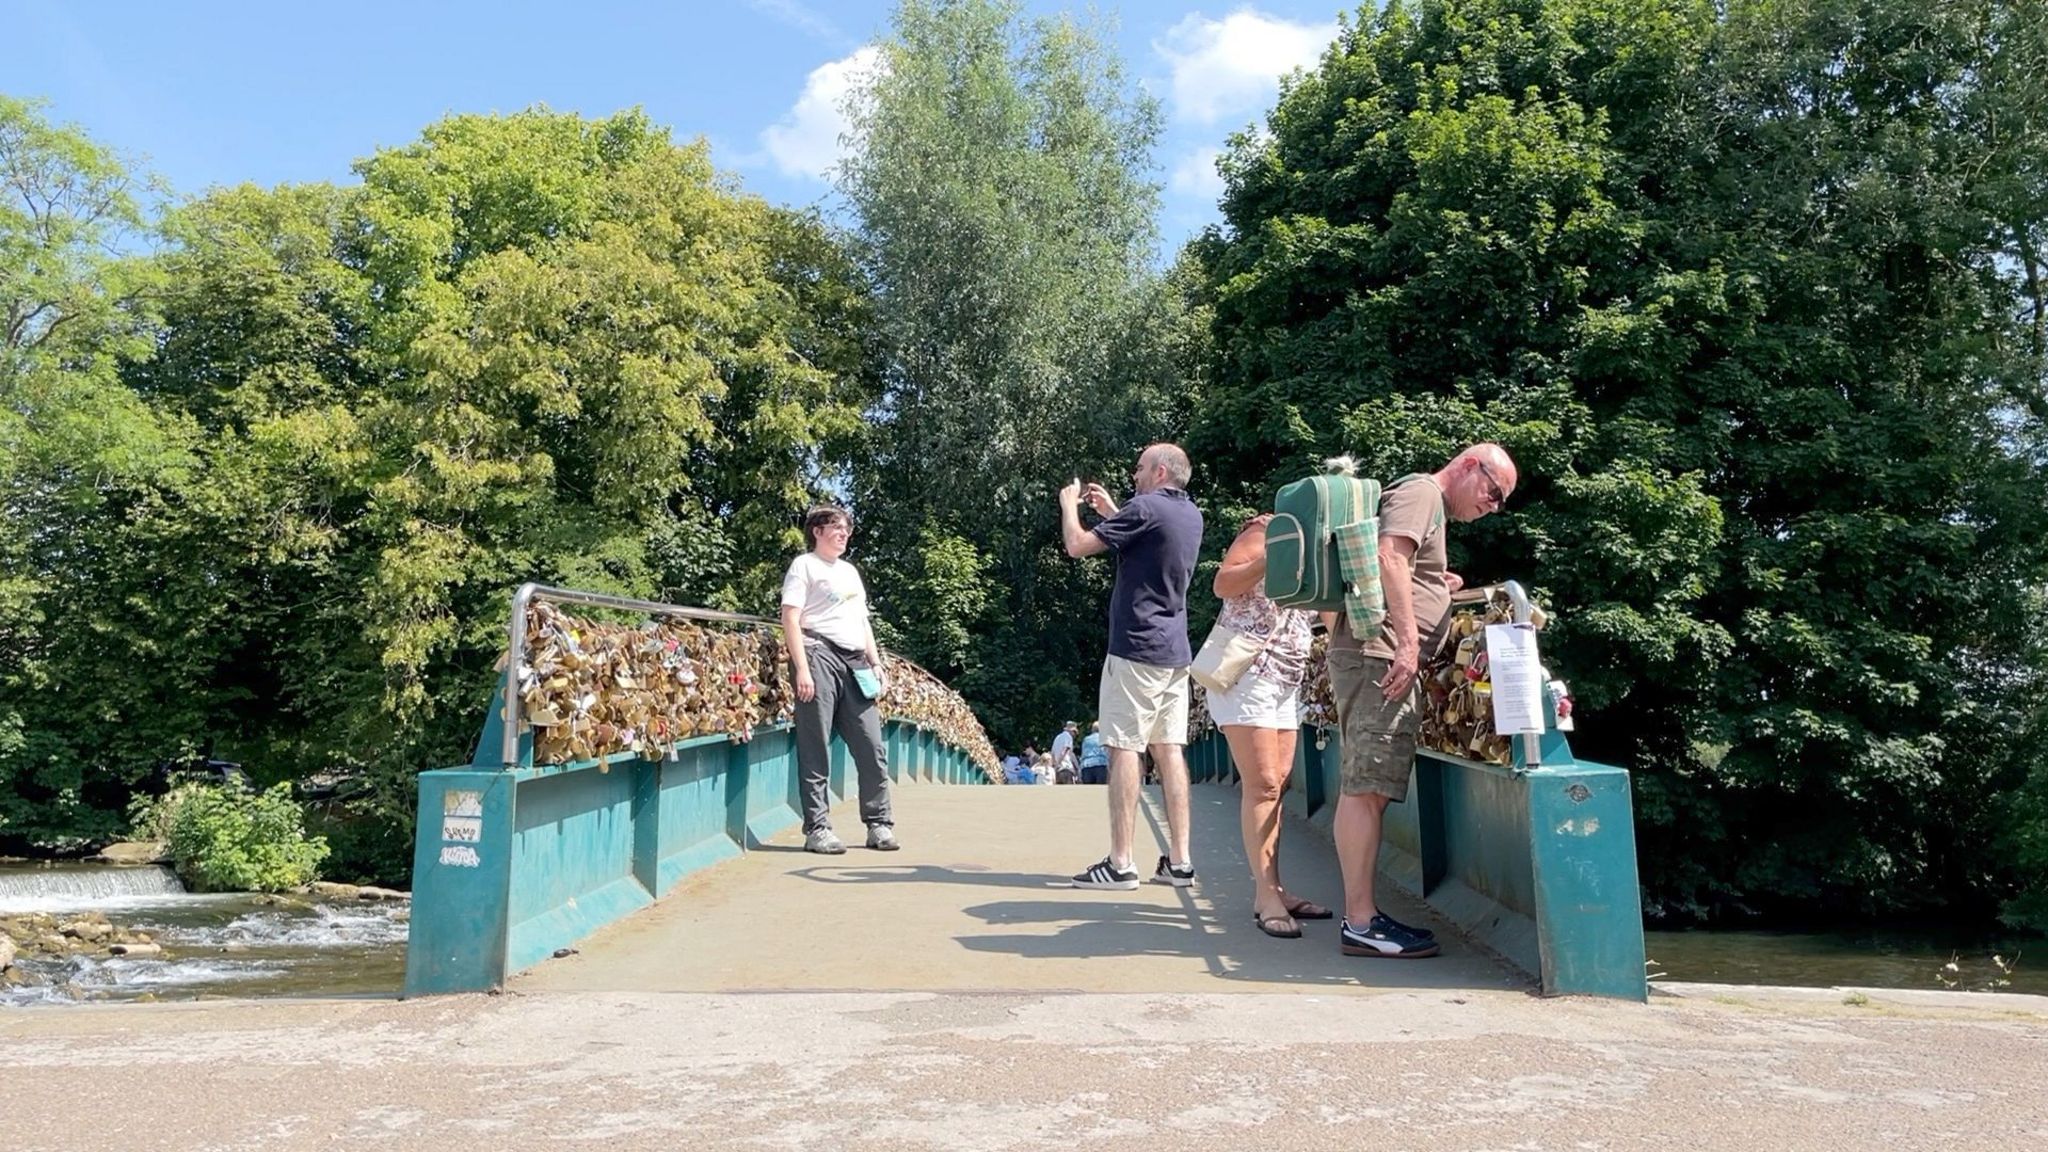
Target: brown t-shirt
1414,511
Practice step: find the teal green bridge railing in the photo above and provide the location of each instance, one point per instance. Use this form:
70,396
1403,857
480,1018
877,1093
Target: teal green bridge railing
514,860
1537,862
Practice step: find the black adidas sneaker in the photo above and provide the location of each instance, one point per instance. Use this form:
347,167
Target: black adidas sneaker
1104,874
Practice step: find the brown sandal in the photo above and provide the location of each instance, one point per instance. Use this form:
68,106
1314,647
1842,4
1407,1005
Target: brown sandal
1309,910
1282,927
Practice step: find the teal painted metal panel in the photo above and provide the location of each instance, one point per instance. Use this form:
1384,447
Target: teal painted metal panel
1586,891
536,938
695,812
572,834
771,785
647,825
461,882
1485,886
573,846
1538,865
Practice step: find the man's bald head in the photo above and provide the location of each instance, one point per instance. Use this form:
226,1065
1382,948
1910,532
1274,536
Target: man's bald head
1478,481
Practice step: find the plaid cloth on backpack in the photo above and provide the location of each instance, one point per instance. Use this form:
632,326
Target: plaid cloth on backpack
1358,558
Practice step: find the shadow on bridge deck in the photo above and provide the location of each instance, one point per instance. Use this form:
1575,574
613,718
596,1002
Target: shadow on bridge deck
977,901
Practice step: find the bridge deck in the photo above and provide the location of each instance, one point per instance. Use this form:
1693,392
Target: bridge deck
977,900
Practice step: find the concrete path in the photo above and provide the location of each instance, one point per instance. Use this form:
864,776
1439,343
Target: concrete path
978,899
1005,1014
969,1072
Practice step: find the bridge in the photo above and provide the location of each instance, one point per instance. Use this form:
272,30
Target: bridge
676,868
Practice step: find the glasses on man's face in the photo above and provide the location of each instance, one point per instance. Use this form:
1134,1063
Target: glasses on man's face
837,527
1496,494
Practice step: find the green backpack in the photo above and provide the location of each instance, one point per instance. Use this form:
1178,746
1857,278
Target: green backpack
1322,547
1303,568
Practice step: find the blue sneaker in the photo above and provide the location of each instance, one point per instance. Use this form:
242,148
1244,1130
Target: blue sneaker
1411,929
1385,938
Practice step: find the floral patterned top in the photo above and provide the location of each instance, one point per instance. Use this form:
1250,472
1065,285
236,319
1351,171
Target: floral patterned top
1286,631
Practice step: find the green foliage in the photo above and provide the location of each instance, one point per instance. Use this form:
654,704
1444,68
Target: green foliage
278,511
1753,291
229,839
150,817
2026,840
77,450
1734,287
1005,223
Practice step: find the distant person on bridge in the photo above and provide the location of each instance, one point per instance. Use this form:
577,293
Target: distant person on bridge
1094,756
1063,749
1379,699
1260,716
1156,536
839,682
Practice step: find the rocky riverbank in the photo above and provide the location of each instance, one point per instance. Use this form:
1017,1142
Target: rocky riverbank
43,934
150,939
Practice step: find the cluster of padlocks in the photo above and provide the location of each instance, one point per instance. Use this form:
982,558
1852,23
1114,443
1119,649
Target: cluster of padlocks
590,689
1457,703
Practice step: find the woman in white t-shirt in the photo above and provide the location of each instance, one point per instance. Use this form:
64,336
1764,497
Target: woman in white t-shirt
838,676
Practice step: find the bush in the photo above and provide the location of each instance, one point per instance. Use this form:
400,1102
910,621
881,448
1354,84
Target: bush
225,839
370,830
150,817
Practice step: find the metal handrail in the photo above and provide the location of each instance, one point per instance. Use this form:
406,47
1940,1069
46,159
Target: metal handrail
516,646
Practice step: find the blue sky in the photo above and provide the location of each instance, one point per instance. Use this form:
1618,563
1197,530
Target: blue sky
210,93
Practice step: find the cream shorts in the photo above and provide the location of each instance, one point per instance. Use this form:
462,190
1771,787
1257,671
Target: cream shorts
1142,705
1256,702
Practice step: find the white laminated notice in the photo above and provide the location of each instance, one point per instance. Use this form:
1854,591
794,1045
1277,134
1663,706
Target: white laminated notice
1517,675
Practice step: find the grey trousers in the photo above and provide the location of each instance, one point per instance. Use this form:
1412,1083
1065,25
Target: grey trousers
839,707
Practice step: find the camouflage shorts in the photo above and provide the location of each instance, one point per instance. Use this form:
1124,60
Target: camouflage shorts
1378,734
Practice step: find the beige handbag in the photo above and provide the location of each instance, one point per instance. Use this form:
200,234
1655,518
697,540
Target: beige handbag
1223,658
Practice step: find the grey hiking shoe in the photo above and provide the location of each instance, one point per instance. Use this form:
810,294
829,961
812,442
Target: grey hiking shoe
825,842
882,838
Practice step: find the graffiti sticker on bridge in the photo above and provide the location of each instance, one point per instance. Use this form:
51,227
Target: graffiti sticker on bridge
462,802
463,829
460,856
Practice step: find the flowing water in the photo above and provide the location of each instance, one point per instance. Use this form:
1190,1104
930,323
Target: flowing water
230,944
1870,959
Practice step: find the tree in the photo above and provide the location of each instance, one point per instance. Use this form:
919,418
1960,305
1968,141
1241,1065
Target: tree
1721,276
1005,222
76,448
526,347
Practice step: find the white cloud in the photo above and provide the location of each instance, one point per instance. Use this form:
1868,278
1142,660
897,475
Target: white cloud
1196,176
805,142
1231,68
799,16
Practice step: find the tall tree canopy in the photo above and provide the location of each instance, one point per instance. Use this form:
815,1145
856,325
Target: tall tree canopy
524,347
1732,283
998,176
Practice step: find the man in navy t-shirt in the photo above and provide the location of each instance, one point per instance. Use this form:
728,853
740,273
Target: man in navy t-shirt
1144,702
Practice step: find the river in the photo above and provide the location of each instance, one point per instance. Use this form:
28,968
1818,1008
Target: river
1868,959
231,944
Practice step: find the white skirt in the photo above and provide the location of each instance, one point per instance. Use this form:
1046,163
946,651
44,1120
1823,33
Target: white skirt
1256,702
